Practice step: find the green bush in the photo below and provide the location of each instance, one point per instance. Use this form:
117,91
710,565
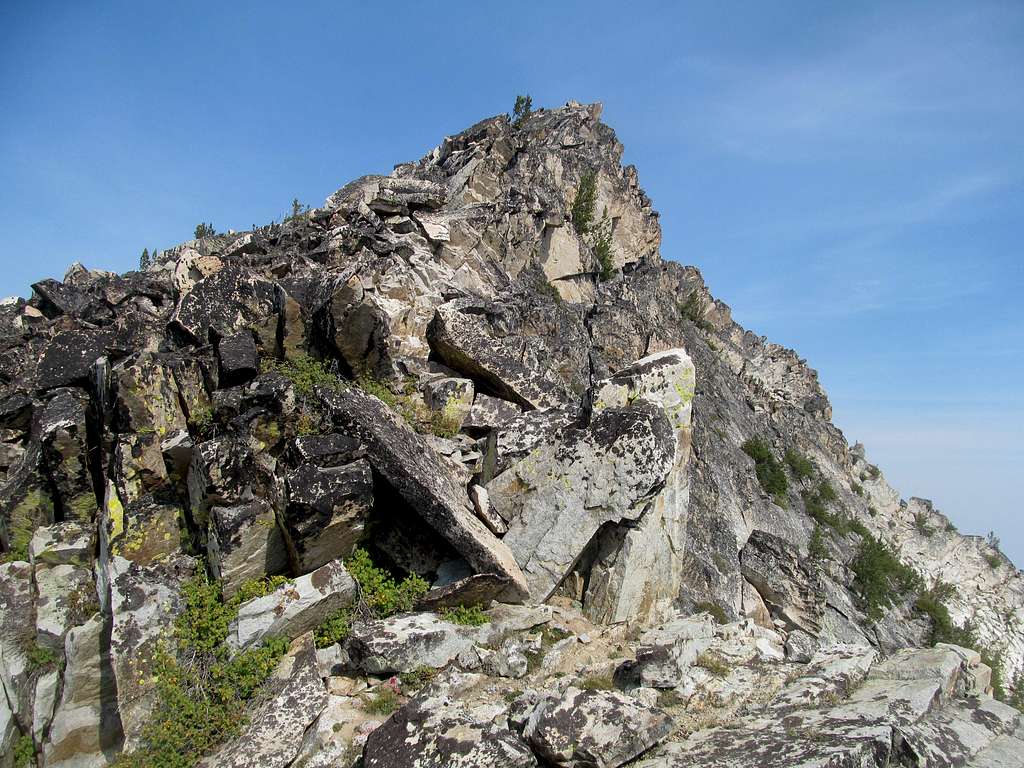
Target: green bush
24,752
880,577
467,615
202,690
304,372
826,492
767,468
716,611
40,657
582,211
333,629
857,488
448,421
921,523
522,109
418,677
603,248
799,465
693,310
378,588
816,547
713,663
204,229
994,560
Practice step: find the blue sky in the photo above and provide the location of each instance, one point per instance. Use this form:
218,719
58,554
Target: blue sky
849,176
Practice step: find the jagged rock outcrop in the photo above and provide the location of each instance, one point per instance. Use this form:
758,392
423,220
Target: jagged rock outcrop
447,367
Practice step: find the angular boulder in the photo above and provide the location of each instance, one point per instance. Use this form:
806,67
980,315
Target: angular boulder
408,462
294,608
327,512
604,729
403,643
557,498
245,542
273,734
239,359
435,730
227,301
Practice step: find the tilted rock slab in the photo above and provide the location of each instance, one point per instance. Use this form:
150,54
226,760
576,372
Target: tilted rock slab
603,729
294,608
436,731
407,462
273,735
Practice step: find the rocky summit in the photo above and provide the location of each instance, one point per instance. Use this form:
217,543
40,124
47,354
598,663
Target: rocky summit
455,470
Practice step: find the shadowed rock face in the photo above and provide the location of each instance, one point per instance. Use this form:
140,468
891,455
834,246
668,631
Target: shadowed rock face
437,366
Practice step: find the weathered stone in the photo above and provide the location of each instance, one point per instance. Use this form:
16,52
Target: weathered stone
63,433
225,471
594,728
273,736
17,636
435,731
144,601
513,347
239,359
482,506
409,464
139,467
476,589
557,498
65,596
403,643
327,512
667,652
26,502
67,543
327,450
85,730
294,608
227,301
144,531
491,412
43,702
334,740
792,592
146,395
245,543
70,356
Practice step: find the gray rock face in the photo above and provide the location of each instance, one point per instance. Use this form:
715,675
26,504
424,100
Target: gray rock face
294,608
403,643
433,731
273,735
408,462
599,728
560,495
229,300
327,512
245,543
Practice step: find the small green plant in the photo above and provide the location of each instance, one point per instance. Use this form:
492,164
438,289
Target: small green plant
378,588
669,698
201,418
582,211
857,488
204,229
298,209
603,248
304,372
145,260
994,560
385,700
24,752
378,389
418,677
716,611
40,657
874,472
922,525
799,465
826,492
333,629
767,468
880,577
522,109
713,663
448,421
202,690
693,310
466,615
816,547
597,683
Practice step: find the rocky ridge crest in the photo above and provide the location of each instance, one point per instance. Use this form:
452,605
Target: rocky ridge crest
431,367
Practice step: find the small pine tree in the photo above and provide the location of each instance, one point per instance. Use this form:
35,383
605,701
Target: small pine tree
522,109
582,212
145,260
204,230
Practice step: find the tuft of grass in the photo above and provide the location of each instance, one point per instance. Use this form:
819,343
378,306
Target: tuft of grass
466,615
767,468
716,611
304,372
418,677
799,465
383,702
713,663
597,683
